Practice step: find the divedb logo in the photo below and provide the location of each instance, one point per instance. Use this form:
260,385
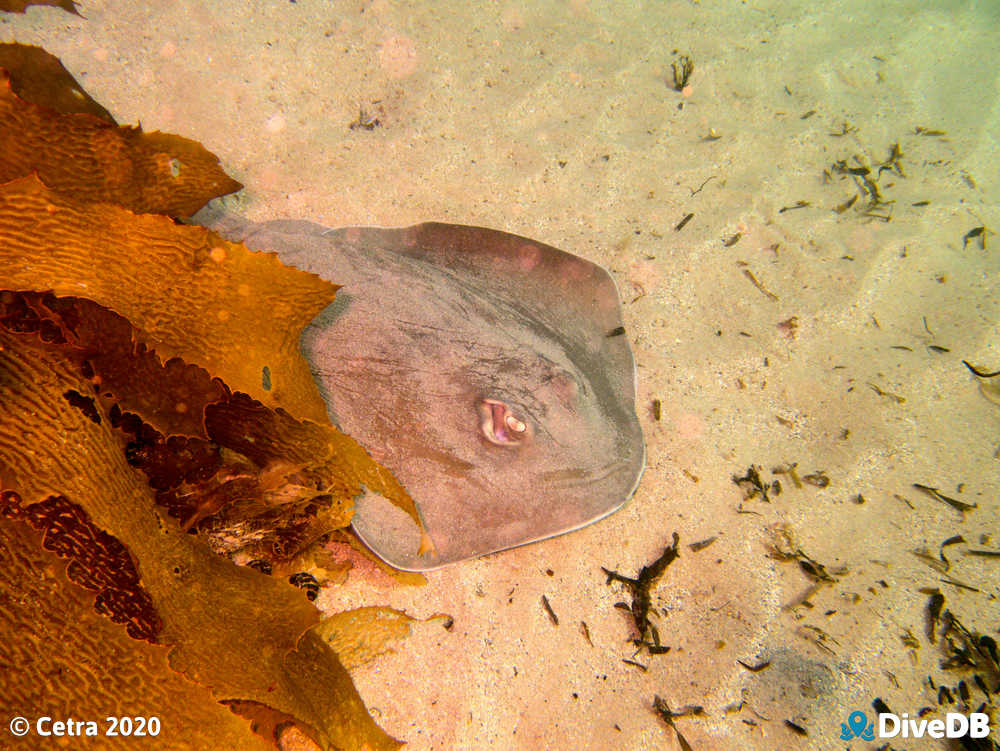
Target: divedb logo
888,725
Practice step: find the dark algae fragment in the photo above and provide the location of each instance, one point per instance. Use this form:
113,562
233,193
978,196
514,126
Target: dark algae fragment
978,372
755,668
936,494
796,728
549,611
683,222
640,588
972,234
797,205
752,485
665,713
364,121
682,70
702,544
817,479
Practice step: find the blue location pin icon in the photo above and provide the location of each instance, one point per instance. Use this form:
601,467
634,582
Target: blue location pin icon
857,722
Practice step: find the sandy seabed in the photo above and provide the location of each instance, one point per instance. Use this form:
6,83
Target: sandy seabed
771,329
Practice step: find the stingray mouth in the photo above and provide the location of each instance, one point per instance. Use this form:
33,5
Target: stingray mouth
500,425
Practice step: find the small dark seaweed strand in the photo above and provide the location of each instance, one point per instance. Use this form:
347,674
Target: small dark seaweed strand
793,207
549,611
666,714
953,540
755,668
980,373
973,233
953,502
934,606
641,585
880,706
796,728
752,479
682,74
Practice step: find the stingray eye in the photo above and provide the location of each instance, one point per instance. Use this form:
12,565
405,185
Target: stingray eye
500,425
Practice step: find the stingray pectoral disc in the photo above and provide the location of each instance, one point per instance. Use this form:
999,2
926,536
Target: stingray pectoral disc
489,372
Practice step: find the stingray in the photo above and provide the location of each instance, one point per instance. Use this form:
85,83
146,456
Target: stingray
489,372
